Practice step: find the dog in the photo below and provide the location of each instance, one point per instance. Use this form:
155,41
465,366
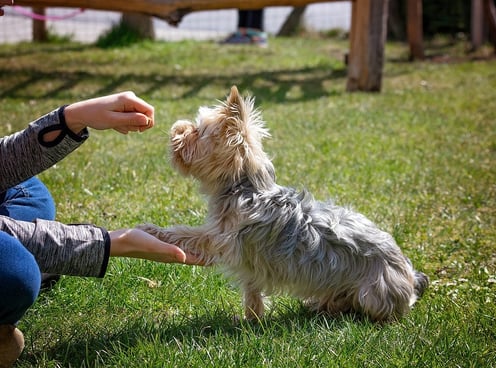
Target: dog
273,239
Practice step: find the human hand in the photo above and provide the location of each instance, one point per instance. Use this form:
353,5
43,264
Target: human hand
135,243
123,112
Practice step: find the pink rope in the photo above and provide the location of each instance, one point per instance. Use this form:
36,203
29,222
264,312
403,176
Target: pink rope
22,11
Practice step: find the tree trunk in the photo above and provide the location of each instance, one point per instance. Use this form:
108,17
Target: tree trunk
396,23
39,26
292,22
491,18
142,24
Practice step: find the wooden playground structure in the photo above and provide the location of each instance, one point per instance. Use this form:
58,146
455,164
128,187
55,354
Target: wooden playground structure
367,37
367,33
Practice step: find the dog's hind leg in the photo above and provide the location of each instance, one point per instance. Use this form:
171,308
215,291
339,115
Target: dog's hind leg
330,305
385,301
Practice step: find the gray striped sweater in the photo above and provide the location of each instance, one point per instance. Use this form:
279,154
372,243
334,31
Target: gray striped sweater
82,249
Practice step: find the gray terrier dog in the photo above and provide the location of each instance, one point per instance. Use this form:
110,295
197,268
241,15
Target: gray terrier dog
273,239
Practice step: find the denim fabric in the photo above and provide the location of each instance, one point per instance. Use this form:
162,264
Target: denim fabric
20,279
28,201
20,276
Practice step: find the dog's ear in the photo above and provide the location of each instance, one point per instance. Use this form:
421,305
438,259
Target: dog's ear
235,105
235,118
234,97
241,119
243,130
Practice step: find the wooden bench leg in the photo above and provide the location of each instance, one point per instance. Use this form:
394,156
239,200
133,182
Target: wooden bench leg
367,40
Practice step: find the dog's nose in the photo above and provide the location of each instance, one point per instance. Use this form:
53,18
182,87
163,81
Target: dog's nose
181,127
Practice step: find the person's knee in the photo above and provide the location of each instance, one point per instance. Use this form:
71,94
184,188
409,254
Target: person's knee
21,287
27,201
40,193
20,279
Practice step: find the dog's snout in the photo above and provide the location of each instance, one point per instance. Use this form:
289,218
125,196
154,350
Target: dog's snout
182,128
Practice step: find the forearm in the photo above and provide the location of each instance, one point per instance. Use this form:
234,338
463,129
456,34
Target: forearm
31,151
78,250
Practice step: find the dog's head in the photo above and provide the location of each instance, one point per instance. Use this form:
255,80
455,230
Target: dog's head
223,146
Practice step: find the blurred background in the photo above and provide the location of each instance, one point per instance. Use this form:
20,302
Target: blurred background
88,25
452,17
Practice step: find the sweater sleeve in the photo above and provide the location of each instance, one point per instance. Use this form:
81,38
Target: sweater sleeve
77,250
25,154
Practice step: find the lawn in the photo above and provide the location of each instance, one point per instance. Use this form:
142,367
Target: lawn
417,158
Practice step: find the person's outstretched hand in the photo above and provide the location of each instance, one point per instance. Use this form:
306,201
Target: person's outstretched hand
124,112
135,243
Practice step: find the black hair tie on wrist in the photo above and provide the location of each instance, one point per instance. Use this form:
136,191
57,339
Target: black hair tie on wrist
64,130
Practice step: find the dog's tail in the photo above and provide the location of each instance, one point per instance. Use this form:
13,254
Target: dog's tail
420,283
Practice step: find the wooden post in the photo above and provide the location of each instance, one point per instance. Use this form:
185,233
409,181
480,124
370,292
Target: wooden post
415,29
491,20
476,24
367,39
39,26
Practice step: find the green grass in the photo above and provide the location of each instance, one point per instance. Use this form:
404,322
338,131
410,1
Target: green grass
418,159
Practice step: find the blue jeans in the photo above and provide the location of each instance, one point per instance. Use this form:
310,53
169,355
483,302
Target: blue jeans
20,276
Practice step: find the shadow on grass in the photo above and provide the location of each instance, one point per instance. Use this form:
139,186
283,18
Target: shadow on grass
25,48
187,331
311,82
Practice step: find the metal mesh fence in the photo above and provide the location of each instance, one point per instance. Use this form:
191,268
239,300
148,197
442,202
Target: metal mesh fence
88,25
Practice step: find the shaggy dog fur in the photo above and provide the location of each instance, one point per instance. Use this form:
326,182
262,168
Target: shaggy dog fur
273,239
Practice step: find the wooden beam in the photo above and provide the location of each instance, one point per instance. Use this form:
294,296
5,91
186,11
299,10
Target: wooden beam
169,10
415,29
367,39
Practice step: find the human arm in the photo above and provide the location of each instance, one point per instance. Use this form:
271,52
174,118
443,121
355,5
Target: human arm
50,138
123,112
80,250
85,249
24,154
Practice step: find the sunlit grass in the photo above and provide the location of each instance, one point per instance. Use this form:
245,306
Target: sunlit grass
417,158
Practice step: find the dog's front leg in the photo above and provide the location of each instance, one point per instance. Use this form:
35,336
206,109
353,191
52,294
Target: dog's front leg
253,302
192,239
161,233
